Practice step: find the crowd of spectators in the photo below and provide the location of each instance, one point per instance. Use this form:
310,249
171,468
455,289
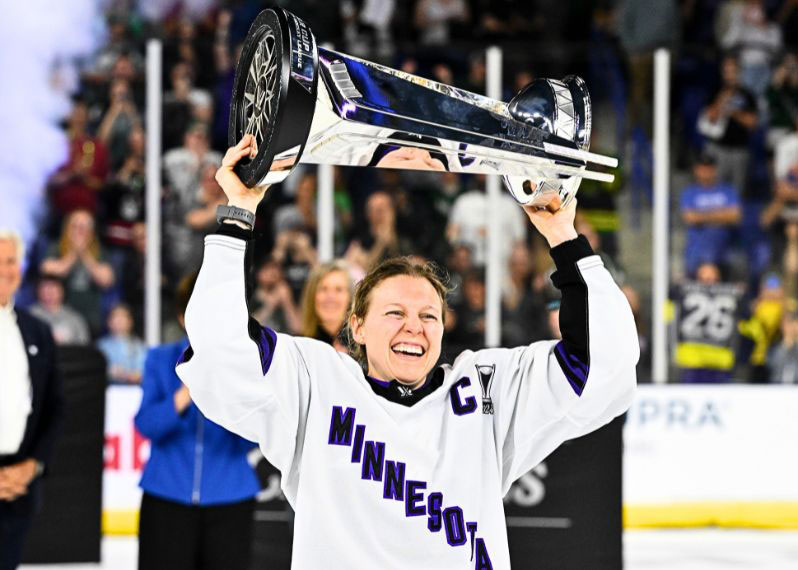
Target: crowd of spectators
736,131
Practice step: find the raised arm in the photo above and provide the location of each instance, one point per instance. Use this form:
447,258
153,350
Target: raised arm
241,375
552,391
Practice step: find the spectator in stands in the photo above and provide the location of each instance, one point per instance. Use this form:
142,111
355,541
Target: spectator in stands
67,326
468,223
118,122
705,315
468,330
78,259
643,26
783,358
199,489
272,303
710,210
459,263
30,405
784,205
435,18
177,106
762,328
117,46
523,305
755,39
123,196
382,240
123,351
201,217
294,251
519,276
183,169
325,303
133,275
644,364
782,98
76,184
728,123
302,213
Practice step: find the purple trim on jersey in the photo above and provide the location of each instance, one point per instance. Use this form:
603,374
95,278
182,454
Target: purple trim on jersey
373,461
460,407
472,530
357,447
394,487
435,519
454,522
574,369
266,339
382,383
483,558
341,424
374,466
412,499
185,356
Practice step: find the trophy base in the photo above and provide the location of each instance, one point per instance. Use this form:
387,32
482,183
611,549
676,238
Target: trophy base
274,95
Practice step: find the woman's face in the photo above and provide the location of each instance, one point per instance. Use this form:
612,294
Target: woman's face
332,298
402,330
81,229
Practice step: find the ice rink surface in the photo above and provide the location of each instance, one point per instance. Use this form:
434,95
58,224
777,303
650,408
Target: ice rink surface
703,549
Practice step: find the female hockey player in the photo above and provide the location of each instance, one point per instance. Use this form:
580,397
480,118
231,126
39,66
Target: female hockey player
405,465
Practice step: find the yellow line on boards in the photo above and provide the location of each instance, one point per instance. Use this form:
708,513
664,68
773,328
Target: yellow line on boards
121,522
759,514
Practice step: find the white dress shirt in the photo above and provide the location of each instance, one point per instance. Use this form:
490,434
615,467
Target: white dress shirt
15,386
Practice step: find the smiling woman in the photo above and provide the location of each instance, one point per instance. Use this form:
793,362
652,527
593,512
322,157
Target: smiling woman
396,321
443,442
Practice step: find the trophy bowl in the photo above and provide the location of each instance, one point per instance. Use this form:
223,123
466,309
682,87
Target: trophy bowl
305,103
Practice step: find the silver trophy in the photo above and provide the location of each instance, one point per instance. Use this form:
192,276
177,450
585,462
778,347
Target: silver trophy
304,103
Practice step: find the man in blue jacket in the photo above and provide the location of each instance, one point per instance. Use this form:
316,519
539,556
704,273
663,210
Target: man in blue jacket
199,489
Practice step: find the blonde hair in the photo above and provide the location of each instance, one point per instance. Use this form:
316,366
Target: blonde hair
16,239
65,247
392,267
310,320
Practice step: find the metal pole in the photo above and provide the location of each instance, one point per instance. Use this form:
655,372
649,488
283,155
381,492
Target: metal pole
325,212
325,206
493,269
152,268
659,276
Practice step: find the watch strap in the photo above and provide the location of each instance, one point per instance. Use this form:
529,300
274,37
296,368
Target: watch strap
235,213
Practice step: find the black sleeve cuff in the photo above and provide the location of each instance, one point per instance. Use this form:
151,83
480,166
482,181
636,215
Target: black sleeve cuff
565,257
569,252
234,230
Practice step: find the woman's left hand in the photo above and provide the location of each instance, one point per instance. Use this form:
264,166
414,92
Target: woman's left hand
558,226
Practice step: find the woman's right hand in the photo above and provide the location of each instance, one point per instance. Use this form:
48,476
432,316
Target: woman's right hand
237,193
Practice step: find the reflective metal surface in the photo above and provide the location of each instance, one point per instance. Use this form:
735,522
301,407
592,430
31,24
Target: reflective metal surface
367,114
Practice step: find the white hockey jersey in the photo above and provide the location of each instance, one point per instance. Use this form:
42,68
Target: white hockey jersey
379,484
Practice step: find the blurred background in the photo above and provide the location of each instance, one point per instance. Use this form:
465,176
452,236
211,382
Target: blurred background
708,445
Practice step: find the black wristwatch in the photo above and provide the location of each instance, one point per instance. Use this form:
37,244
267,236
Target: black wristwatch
236,214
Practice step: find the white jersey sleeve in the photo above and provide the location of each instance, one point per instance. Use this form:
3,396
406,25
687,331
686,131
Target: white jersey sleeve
544,394
243,376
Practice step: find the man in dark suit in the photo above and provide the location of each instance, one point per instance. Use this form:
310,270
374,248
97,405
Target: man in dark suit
30,406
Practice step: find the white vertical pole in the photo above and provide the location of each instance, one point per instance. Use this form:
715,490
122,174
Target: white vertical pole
662,65
325,212
152,269
493,269
325,207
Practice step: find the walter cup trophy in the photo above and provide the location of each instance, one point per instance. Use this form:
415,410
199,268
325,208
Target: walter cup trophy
305,103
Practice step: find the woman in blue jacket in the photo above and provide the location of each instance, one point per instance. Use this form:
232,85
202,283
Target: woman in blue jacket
199,489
